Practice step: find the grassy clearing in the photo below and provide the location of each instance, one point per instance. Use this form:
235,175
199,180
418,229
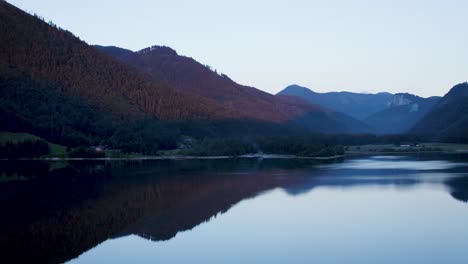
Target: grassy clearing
55,149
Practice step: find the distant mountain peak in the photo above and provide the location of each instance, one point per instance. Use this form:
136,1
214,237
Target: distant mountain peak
297,87
159,50
459,90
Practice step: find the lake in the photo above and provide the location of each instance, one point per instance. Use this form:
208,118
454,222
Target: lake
366,209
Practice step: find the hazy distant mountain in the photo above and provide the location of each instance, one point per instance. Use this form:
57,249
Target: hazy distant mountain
402,113
448,119
187,75
327,121
357,105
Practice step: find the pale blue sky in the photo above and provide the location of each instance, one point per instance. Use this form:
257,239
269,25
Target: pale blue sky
329,45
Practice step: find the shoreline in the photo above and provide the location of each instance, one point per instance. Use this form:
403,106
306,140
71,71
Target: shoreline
246,156
404,152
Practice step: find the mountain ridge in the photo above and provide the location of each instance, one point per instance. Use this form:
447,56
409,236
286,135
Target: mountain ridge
56,86
356,105
188,75
448,119
403,112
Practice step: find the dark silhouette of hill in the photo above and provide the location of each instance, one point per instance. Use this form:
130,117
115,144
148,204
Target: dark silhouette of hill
402,113
448,119
357,105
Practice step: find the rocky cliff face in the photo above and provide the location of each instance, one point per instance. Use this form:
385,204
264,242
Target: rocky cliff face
403,99
402,112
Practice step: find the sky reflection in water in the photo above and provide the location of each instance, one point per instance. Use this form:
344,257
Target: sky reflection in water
366,210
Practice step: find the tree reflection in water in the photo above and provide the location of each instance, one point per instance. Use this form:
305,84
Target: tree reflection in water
66,210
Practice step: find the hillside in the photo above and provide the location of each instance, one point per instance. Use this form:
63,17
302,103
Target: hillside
327,121
54,149
187,75
357,105
47,55
55,86
402,113
113,51
448,119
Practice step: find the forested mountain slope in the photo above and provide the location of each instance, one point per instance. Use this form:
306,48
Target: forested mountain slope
187,75
448,119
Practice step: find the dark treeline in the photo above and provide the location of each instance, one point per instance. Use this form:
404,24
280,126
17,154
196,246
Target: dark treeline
221,147
298,146
24,149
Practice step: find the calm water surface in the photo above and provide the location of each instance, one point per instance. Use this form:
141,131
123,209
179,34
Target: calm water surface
375,209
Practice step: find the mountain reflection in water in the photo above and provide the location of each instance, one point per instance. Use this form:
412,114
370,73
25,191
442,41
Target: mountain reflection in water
66,210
